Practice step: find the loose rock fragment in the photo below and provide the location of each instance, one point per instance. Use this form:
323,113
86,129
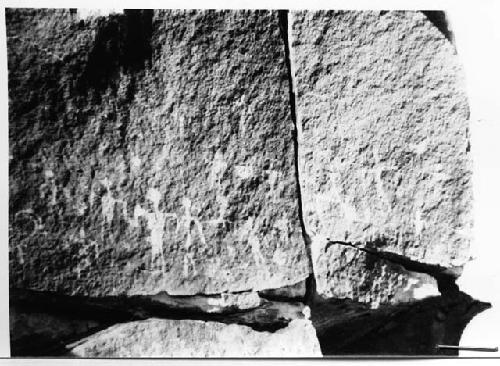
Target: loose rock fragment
222,303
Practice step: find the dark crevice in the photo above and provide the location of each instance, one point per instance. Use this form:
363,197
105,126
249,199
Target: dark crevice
438,18
282,298
109,310
122,44
288,293
42,344
310,294
405,329
444,276
128,308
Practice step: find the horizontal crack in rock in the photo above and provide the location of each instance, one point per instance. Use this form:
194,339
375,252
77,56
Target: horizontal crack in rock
444,276
72,313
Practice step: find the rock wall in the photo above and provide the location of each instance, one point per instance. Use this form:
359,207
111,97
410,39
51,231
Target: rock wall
194,175
155,154
384,151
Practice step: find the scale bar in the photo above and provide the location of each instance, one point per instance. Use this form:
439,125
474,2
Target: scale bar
476,349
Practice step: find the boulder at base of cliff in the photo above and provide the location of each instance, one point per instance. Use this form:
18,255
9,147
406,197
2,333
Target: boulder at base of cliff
194,338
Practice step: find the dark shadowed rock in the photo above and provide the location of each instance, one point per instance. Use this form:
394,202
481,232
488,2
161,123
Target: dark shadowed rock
384,156
296,291
42,323
43,334
151,151
349,328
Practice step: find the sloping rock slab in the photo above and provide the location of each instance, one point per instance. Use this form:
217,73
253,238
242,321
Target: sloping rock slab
150,151
190,338
384,158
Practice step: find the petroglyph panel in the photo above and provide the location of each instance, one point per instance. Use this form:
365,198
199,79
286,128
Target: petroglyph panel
384,145
154,153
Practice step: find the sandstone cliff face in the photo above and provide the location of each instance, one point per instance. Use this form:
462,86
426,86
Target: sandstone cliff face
383,145
220,169
155,154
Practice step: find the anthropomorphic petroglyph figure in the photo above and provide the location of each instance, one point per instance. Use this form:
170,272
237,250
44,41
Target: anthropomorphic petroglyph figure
242,123
378,169
187,220
155,223
108,203
36,223
219,166
247,232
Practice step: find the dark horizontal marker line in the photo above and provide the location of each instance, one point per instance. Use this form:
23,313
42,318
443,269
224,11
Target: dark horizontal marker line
477,349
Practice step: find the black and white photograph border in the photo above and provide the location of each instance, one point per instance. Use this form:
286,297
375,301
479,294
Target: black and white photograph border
226,179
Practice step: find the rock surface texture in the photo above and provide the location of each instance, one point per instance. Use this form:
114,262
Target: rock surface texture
236,183
151,151
184,338
384,157
369,279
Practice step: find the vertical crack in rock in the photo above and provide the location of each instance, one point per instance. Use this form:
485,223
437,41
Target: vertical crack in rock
286,32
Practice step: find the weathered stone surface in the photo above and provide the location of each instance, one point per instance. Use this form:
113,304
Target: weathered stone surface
190,338
383,144
152,175
150,151
349,273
